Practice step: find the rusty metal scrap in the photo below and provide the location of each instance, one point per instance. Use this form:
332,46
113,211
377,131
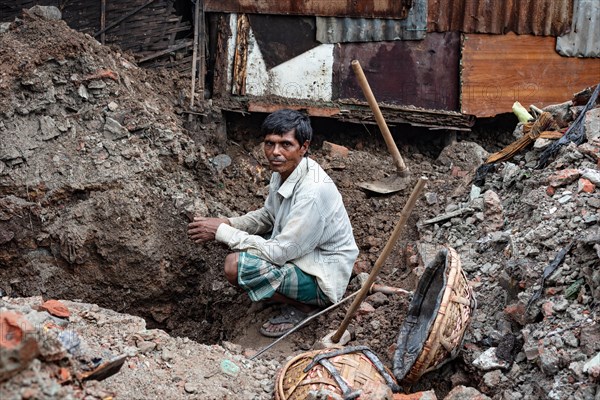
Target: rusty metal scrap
529,17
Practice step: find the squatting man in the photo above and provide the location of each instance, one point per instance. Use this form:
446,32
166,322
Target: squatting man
298,249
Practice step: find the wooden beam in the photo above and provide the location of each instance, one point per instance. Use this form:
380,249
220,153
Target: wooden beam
195,52
240,59
102,20
396,9
166,51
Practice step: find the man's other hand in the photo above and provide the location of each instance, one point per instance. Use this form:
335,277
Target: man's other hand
204,229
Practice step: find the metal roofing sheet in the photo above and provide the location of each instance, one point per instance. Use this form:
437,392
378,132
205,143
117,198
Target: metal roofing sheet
422,73
533,17
343,30
584,38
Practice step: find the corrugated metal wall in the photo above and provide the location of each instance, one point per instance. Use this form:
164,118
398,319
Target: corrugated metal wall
584,38
524,17
344,30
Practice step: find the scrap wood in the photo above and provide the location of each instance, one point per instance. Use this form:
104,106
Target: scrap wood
575,133
452,214
531,131
552,134
582,98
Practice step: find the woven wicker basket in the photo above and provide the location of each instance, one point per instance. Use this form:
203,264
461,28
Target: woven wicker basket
437,319
357,371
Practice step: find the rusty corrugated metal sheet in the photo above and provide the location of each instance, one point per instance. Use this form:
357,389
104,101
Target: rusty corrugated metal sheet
525,17
325,8
584,38
423,73
498,70
343,30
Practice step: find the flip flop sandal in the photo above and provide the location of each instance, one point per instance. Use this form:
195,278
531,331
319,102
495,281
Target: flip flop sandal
289,315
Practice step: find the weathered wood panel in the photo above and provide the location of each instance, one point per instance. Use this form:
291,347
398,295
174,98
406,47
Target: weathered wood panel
395,9
498,70
419,73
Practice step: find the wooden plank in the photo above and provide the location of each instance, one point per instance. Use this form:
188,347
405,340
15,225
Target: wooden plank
123,18
264,107
397,9
355,112
498,70
166,51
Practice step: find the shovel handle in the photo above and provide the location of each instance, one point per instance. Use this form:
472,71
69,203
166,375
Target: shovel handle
385,131
406,211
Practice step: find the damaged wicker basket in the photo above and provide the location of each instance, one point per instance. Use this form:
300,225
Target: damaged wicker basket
335,372
437,319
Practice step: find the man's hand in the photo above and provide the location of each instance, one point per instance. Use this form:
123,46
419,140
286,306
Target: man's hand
204,229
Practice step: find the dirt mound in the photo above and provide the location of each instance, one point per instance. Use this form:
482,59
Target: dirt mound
99,169
97,172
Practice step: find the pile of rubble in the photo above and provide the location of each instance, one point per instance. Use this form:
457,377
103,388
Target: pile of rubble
529,237
67,350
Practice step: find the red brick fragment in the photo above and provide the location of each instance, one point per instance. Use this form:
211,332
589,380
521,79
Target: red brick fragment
56,308
585,185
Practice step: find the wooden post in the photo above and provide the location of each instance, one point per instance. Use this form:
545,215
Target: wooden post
102,20
195,51
202,44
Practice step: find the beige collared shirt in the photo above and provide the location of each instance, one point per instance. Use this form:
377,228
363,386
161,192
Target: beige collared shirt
309,227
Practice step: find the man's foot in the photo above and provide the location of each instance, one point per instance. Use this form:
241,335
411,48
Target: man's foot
282,323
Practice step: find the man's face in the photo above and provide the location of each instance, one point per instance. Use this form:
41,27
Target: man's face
284,152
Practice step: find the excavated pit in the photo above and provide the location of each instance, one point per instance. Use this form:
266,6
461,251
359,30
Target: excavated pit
101,167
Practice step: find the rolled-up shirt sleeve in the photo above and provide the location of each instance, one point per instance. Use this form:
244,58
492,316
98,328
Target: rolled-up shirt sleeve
299,236
255,222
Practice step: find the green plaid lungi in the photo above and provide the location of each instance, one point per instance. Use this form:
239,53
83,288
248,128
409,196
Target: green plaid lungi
261,279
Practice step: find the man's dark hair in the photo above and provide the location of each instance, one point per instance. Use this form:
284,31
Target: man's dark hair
283,121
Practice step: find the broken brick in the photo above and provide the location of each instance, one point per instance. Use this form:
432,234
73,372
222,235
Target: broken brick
335,150
365,308
56,308
18,346
456,171
516,312
550,190
564,177
585,185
